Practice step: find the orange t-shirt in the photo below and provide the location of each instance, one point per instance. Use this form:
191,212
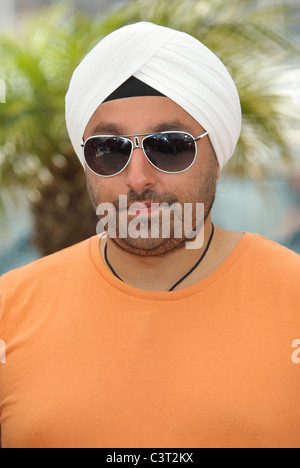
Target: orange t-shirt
93,362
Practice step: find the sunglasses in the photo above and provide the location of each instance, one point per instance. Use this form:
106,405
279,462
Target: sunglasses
171,152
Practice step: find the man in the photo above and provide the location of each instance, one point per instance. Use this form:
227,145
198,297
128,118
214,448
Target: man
138,340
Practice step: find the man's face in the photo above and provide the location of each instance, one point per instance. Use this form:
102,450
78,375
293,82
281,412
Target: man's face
143,183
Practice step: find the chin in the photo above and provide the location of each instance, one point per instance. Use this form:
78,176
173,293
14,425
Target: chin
149,248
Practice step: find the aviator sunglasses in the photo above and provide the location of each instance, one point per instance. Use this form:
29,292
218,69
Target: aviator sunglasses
171,152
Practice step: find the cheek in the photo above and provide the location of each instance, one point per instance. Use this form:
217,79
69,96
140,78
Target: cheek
94,187
201,183
102,190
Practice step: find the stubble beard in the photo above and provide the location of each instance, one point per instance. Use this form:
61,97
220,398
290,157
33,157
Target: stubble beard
161,246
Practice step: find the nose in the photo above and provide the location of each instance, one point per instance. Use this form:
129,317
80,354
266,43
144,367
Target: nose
140,174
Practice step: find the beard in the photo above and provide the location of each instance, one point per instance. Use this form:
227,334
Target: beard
168,238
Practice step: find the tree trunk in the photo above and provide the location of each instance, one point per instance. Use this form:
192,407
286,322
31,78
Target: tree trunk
63,215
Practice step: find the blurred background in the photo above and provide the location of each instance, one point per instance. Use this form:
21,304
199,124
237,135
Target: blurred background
44,205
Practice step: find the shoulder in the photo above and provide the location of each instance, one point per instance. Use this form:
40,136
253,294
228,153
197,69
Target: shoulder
255,250
26,293
43,288
278,255
45,271
271,263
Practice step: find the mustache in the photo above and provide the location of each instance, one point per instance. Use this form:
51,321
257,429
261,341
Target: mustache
148,196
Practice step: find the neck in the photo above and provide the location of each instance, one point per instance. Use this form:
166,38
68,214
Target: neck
160,273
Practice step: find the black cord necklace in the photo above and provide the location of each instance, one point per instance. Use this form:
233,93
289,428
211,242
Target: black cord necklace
181,279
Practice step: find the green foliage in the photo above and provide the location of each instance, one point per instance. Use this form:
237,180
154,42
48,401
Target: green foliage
36,66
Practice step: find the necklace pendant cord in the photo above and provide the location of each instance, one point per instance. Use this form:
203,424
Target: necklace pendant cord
181,279
199,261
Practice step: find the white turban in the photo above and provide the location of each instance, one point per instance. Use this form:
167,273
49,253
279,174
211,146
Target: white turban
172,62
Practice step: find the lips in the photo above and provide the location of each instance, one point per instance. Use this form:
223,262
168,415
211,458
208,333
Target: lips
143,208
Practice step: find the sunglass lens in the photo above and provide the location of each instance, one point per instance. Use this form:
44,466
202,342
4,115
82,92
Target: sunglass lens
107,156
170,152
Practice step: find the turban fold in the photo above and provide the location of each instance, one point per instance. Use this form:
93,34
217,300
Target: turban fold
172,62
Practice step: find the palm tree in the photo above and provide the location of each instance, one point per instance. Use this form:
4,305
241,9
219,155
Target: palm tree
35,151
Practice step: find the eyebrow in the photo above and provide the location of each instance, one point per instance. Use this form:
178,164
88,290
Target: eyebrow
172,125
107,129
114,129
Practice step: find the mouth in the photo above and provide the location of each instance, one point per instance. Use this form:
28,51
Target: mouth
142,208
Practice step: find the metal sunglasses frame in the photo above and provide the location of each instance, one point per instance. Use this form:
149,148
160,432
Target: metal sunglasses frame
137,145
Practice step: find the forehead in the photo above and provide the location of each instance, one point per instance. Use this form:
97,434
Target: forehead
139,115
